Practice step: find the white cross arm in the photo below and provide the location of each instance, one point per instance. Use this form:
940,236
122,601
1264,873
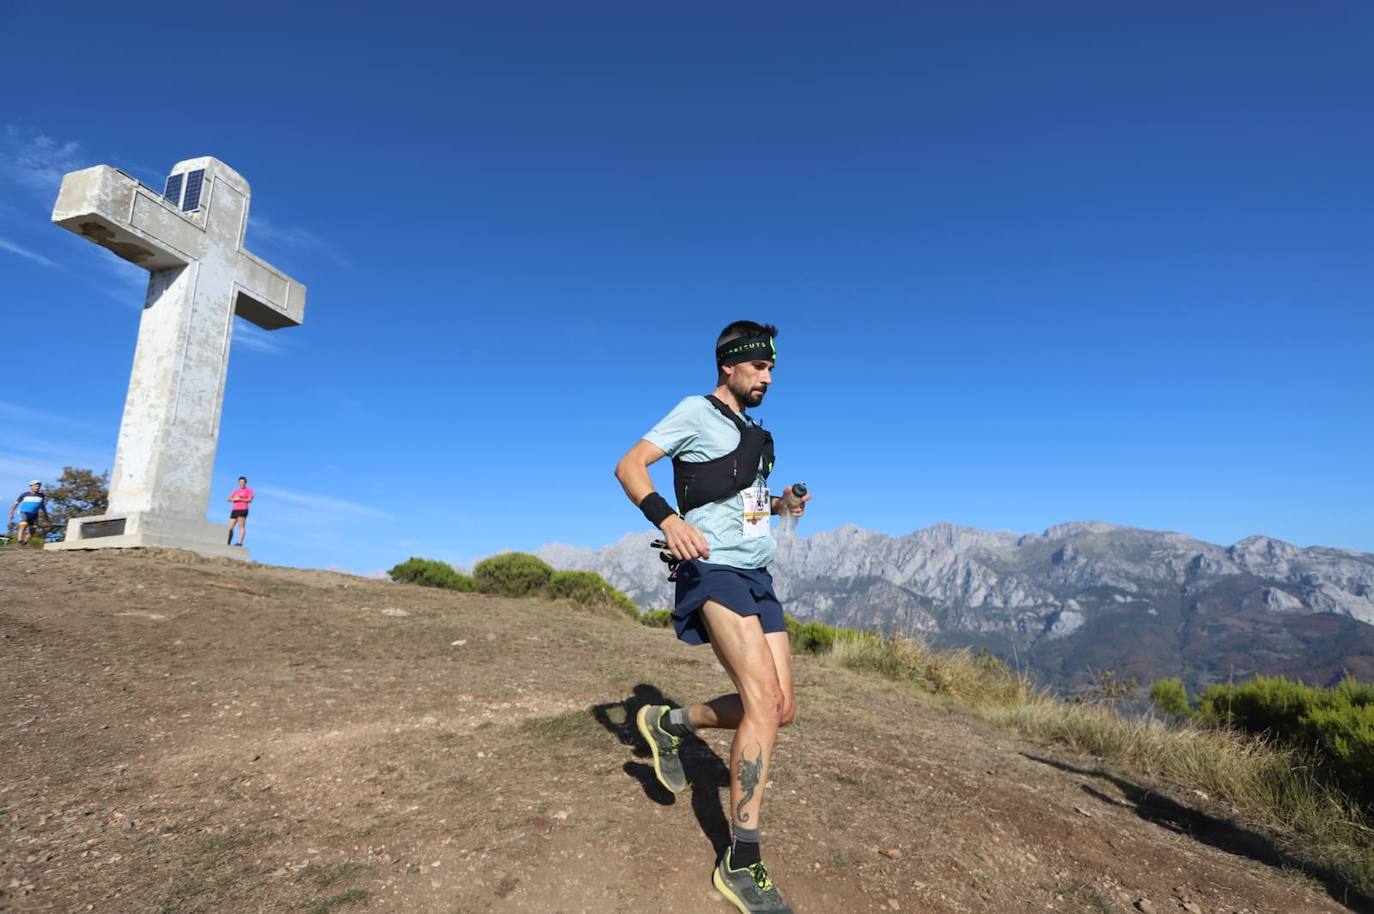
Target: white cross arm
267,296
108,207
115,211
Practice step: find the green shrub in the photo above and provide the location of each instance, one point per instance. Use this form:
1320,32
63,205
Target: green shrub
814,637
1274,706
431,573
657,618
1170,697
512,574
587,588
1335,726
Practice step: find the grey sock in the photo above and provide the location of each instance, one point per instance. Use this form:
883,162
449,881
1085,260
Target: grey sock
678,724
744,834
744,850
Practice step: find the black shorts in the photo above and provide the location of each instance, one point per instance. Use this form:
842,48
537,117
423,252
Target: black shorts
748,591
238,512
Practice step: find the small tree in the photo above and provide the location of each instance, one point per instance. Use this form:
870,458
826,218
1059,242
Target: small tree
588,588
78,493
657,618
512,574
431,573
1171,697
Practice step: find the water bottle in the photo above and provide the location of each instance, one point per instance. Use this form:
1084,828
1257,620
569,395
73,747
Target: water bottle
787,523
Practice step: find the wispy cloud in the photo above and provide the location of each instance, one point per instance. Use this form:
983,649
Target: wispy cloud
18,414
323,507
38,443
291,236
256,339
25,467
323,524
37,162
15,249
125,282
48,463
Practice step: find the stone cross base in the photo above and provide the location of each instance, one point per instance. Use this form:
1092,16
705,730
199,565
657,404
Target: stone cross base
148,530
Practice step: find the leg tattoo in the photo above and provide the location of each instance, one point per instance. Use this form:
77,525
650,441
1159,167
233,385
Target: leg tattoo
749,773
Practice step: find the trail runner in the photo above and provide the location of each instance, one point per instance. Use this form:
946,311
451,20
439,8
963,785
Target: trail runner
239,501
30,505
721,461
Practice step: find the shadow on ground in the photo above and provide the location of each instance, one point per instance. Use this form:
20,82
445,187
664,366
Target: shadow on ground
1219,833
707,774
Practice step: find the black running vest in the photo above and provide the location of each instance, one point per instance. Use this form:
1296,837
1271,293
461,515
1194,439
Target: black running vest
697,484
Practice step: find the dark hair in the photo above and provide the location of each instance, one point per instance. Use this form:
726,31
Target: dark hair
244,478
742,330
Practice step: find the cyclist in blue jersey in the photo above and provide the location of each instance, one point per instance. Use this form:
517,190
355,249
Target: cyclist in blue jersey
30,505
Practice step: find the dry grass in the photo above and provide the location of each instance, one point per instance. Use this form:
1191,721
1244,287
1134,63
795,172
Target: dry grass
1263,785
974,678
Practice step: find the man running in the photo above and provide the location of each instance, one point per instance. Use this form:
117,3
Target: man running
30,504
721,461
239,501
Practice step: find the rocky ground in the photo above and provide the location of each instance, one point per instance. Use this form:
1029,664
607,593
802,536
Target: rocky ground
190,735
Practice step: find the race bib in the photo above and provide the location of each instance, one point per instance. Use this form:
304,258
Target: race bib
758,507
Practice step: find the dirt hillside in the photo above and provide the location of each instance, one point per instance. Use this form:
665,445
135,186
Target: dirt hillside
190,735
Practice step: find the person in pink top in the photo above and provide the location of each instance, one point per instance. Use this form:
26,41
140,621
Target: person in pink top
238,511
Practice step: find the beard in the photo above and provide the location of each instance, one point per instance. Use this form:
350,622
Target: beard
749,397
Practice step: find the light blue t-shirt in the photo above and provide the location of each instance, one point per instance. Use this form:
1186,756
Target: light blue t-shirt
695,431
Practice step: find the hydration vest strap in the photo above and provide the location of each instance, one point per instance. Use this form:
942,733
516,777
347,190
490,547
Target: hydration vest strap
698,483
727,412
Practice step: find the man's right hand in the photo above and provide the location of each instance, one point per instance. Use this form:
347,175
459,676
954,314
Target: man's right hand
684,541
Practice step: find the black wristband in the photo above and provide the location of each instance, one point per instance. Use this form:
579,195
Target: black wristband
656,508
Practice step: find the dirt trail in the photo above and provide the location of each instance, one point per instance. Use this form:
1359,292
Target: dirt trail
190,735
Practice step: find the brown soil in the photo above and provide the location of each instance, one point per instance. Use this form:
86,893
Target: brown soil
191,735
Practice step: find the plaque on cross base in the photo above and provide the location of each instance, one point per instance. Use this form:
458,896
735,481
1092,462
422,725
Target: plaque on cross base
189,237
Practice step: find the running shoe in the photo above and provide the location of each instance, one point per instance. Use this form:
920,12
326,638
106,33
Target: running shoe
748,888
664,746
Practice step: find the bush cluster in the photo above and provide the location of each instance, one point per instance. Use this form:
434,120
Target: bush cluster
814,637
1170,696
588,588
431,573
1335,726
519,574
657,618
512,574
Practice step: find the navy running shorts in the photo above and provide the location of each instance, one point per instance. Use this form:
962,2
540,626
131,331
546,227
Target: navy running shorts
27,518
748,591
238,512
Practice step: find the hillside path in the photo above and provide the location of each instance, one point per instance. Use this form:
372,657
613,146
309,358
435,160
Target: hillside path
192,735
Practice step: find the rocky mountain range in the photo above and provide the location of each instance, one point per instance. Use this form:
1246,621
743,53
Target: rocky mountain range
1069,604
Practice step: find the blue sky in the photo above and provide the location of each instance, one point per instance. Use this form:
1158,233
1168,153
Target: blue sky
1031,262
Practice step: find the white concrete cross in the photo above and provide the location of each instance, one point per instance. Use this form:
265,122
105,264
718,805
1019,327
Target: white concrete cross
190,238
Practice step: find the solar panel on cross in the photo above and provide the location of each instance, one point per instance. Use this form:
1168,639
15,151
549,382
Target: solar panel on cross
173,191
194,180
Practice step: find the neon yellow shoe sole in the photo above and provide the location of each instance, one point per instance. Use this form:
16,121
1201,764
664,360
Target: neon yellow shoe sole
749,889
664,746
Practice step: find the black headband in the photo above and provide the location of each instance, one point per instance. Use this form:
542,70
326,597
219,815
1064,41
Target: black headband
750,349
